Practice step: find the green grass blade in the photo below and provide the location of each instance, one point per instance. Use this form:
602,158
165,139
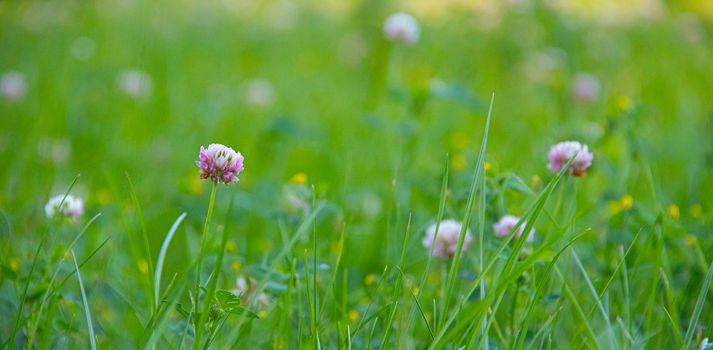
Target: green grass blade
162,256
50,287
144,236
477,174
87,313
600,305
699,307
199,268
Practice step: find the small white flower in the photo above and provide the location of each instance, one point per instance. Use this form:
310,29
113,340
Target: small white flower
245,287
446,242
506,224
55,150
402,27
258,93
134,83
13,86
72,207
82,48
585,87
705,344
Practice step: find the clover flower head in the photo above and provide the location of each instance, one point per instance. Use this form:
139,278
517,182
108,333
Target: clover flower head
135,83
245,287
13,86
560,154
402,27
507,223
259,93
446,242
220,164
585,87
72,207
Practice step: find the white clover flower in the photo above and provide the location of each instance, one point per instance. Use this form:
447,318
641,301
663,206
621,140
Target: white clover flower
55,150
258,93
402,27
585,87
220,163
82,48
72,207
13,86
245,287
560,154
507,223
446,242
134,83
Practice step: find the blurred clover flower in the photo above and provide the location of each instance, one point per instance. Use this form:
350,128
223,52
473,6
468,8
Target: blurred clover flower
83,48
72,207
446,241
560,154
585,87
13,86
134,83
402,27
245,287
507,223
55,150
220,164
258,93
295,199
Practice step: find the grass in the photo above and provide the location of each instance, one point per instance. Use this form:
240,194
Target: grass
354,146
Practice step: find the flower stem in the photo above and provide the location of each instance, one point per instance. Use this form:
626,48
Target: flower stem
199,268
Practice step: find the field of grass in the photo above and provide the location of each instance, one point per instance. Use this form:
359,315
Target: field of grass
355,147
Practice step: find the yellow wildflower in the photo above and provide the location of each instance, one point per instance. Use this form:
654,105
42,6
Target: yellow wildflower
674,212
369,279
458,162
459,140
353,316
626,202
299,179
143,266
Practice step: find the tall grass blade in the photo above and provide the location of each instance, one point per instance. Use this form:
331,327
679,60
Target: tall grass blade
144,235
699,307
162,256
87,313
477,174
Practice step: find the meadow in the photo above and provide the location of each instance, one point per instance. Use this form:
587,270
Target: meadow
402,182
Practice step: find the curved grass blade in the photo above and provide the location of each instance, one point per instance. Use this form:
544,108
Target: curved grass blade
144,234
162,256
87,313
699,307
478,176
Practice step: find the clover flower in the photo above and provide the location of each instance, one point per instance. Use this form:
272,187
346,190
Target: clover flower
560,154
402,27
245,287
506,224
134,83
585,87
259,93
13,86
446,241
220,164
72,207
